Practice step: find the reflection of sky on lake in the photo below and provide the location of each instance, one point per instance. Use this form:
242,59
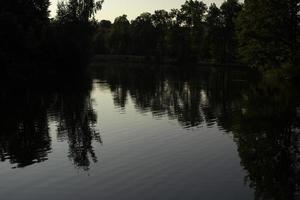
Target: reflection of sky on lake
142,132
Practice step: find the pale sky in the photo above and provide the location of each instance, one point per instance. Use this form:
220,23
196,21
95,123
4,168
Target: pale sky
132,8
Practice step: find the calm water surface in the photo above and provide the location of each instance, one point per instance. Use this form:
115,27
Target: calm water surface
144,132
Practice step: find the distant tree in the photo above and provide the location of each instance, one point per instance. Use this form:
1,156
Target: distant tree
178,38
162,22
215,36
78,10
143,31
101,42
105,24
268,33
161,19
120,35
192,13
230,10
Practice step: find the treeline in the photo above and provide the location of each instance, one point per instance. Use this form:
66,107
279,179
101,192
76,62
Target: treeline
192,33
261,33
32,44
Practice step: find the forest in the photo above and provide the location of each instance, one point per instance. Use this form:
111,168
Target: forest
263,34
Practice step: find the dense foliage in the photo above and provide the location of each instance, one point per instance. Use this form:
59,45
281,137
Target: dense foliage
32,44
268,33
263,34
192,33
259,33
23,25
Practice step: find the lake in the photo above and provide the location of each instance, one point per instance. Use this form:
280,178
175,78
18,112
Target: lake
131,132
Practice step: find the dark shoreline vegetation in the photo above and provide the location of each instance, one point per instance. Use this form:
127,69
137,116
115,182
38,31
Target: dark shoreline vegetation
261,34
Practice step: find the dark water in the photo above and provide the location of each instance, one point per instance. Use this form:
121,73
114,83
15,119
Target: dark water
151,133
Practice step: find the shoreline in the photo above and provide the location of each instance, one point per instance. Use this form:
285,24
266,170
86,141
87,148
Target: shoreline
133,59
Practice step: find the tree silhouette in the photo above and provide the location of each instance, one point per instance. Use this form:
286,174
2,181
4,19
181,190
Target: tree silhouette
267,33
143,31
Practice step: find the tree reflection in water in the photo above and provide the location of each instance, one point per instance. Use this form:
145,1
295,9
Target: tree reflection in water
24,136
263,115
26,115
192,99
266,131
76,122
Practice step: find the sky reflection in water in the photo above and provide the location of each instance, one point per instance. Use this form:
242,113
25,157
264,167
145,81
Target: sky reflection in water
144,132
